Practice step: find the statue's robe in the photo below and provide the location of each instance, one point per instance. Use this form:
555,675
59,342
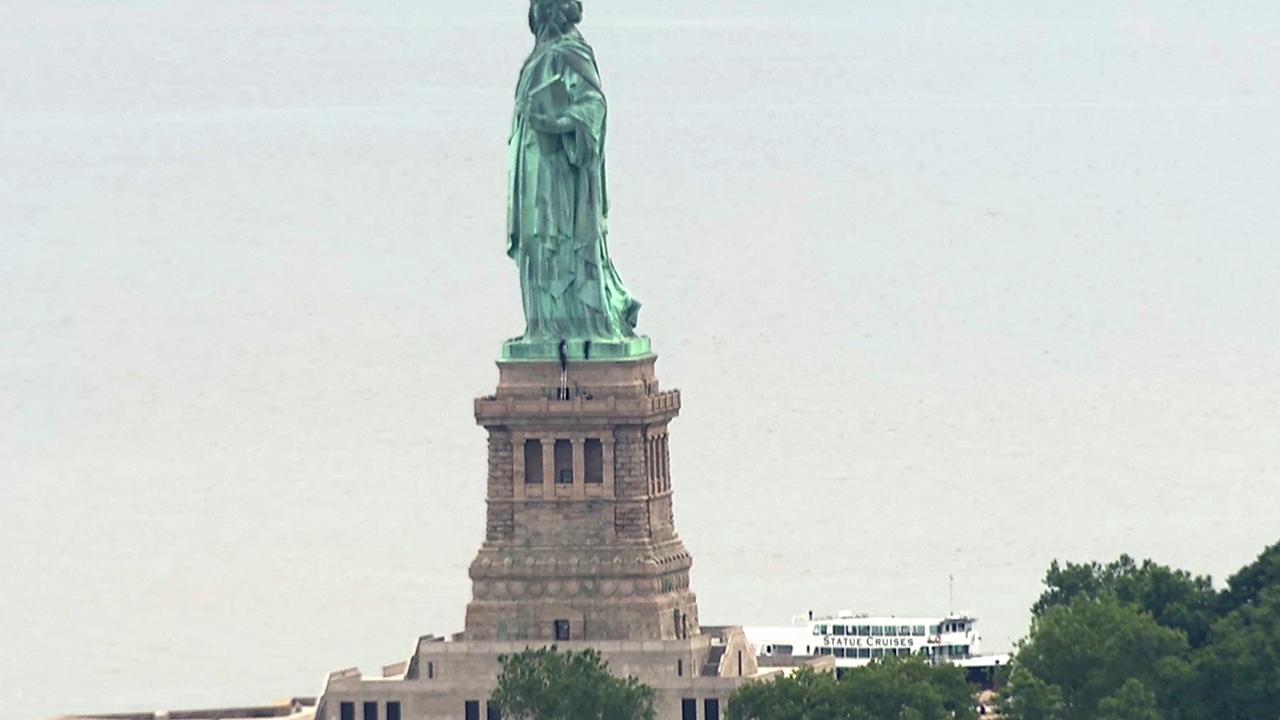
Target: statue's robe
557,209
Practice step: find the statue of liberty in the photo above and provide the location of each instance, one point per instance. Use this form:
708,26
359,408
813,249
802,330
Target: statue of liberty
558,203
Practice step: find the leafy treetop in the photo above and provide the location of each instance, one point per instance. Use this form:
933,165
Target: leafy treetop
547,684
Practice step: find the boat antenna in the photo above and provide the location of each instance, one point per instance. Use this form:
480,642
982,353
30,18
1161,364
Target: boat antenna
951,594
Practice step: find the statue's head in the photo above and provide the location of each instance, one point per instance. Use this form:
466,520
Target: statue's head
553,18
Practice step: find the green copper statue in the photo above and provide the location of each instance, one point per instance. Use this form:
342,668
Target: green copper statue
575,305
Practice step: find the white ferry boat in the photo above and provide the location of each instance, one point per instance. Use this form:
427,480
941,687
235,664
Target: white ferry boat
857,640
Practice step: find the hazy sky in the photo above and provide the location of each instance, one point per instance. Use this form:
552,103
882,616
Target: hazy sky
950,289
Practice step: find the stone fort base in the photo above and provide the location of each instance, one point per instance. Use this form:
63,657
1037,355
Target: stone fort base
693,678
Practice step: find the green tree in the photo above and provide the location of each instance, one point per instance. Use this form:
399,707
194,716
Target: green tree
1089,648
894,689
547,684
1175,598
909,687
1133,701
1027,697
1238,673
803,695
1247,585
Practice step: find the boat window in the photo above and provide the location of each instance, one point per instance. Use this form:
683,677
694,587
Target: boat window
839,652
904,631
890,631
876,631
864,630
935,629
918,631
864,652
837,629
877,653
821,630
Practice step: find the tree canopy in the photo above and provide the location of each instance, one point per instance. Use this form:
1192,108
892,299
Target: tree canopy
1133,701
1091,647
892,689
1175,598
547,684
1246,586
1238,672
1149,642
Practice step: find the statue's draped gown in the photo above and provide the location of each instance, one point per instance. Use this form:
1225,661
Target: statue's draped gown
556,224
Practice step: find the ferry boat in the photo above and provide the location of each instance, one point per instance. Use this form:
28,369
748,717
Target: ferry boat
856,640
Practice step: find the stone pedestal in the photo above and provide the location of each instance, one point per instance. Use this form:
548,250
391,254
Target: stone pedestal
580,541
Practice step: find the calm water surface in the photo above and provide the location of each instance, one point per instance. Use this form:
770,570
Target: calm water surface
951,289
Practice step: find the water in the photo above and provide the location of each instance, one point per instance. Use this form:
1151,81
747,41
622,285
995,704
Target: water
950,289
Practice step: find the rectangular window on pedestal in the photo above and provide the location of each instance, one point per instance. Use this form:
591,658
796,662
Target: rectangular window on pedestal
533,462
711,709
493,712
371,711
688,709
472,710
562,630
393,710
564,462
594,459
347,711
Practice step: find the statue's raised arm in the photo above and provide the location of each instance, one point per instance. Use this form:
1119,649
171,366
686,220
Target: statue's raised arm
558,204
